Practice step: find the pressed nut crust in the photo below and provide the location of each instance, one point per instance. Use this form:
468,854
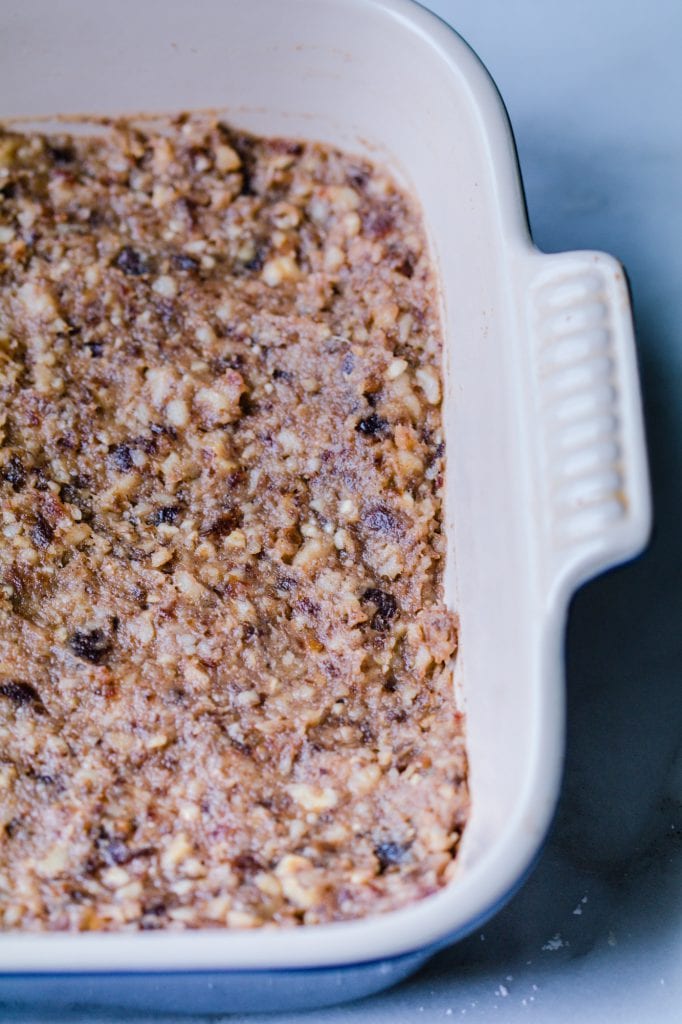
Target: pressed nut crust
225,692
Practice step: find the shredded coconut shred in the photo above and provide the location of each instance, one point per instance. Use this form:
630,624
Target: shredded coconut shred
225,684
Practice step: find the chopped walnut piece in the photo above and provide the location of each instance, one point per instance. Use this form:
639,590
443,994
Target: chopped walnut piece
219,404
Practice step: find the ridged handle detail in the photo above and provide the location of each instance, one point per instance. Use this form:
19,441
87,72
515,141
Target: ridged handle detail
594,478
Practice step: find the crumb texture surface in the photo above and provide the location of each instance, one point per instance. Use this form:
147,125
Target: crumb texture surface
225,692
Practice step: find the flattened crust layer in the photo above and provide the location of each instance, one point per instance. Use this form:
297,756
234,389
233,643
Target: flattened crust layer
224,688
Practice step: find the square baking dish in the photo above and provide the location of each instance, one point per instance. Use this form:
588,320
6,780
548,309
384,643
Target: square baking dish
546,481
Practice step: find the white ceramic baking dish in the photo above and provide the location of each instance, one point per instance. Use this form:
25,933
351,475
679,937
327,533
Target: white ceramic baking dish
546,481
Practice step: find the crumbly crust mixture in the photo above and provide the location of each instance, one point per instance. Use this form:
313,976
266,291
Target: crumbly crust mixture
225,697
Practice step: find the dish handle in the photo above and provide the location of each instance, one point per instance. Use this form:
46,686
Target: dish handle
587,419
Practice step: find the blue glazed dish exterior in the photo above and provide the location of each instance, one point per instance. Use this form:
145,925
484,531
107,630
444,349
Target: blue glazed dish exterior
205,991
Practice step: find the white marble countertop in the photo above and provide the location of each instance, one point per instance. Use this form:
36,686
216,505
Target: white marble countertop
594,92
